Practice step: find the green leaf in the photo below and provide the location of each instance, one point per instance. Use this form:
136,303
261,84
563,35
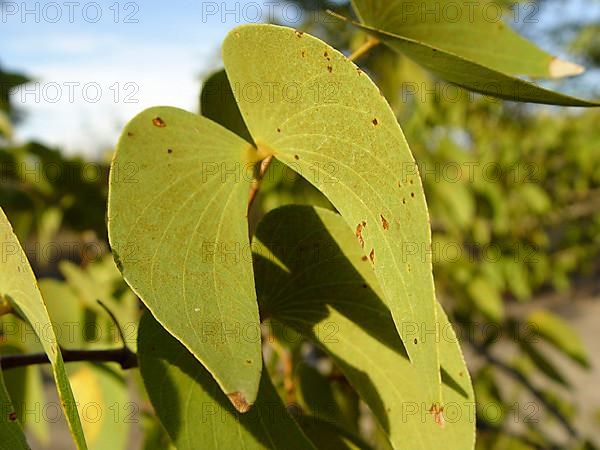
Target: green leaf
559,333
178,232
325,399
469,30
486,298
194,411
324,118
313,278
11,433
466,73
107,413
19,287
542,363
328,436
26,390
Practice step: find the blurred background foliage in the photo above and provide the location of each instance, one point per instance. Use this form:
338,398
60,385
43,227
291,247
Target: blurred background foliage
514,199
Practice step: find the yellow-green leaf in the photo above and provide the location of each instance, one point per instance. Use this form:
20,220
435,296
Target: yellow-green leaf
18,285
194,411
312,278
11,433
316,112
465,72
471,30
177,227
559,333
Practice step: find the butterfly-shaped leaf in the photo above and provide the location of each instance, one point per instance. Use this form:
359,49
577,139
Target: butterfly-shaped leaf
179,187
316,112
313,278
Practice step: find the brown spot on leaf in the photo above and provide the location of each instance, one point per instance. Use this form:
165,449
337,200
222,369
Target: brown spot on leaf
296,157
239,402
299,33
358,233
303,53
158,122
279,130
412,194
129,133
169,150
372,255
415,341
330,69
438,414
364,258
404,201
384,222
375,121
249,361
12,416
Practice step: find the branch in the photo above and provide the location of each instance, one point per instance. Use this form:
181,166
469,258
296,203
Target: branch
123,356
522,379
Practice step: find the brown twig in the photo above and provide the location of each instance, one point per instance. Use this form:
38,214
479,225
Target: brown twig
123,356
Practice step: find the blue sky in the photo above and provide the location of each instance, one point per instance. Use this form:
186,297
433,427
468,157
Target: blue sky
96,64
150,53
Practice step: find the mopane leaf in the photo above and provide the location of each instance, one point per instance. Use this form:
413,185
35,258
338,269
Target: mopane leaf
179,189
19,287
320,115
194,411
559,333
11,433
474,31
465,72
327,435
313,278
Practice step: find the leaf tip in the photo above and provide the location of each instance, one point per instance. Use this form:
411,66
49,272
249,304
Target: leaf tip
560,68
239,402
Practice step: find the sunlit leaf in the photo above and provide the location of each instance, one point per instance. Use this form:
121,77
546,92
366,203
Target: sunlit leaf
473,31
195,412
559,333
320,115
465,72
103,407
486,298
178,232
314,279
19,287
